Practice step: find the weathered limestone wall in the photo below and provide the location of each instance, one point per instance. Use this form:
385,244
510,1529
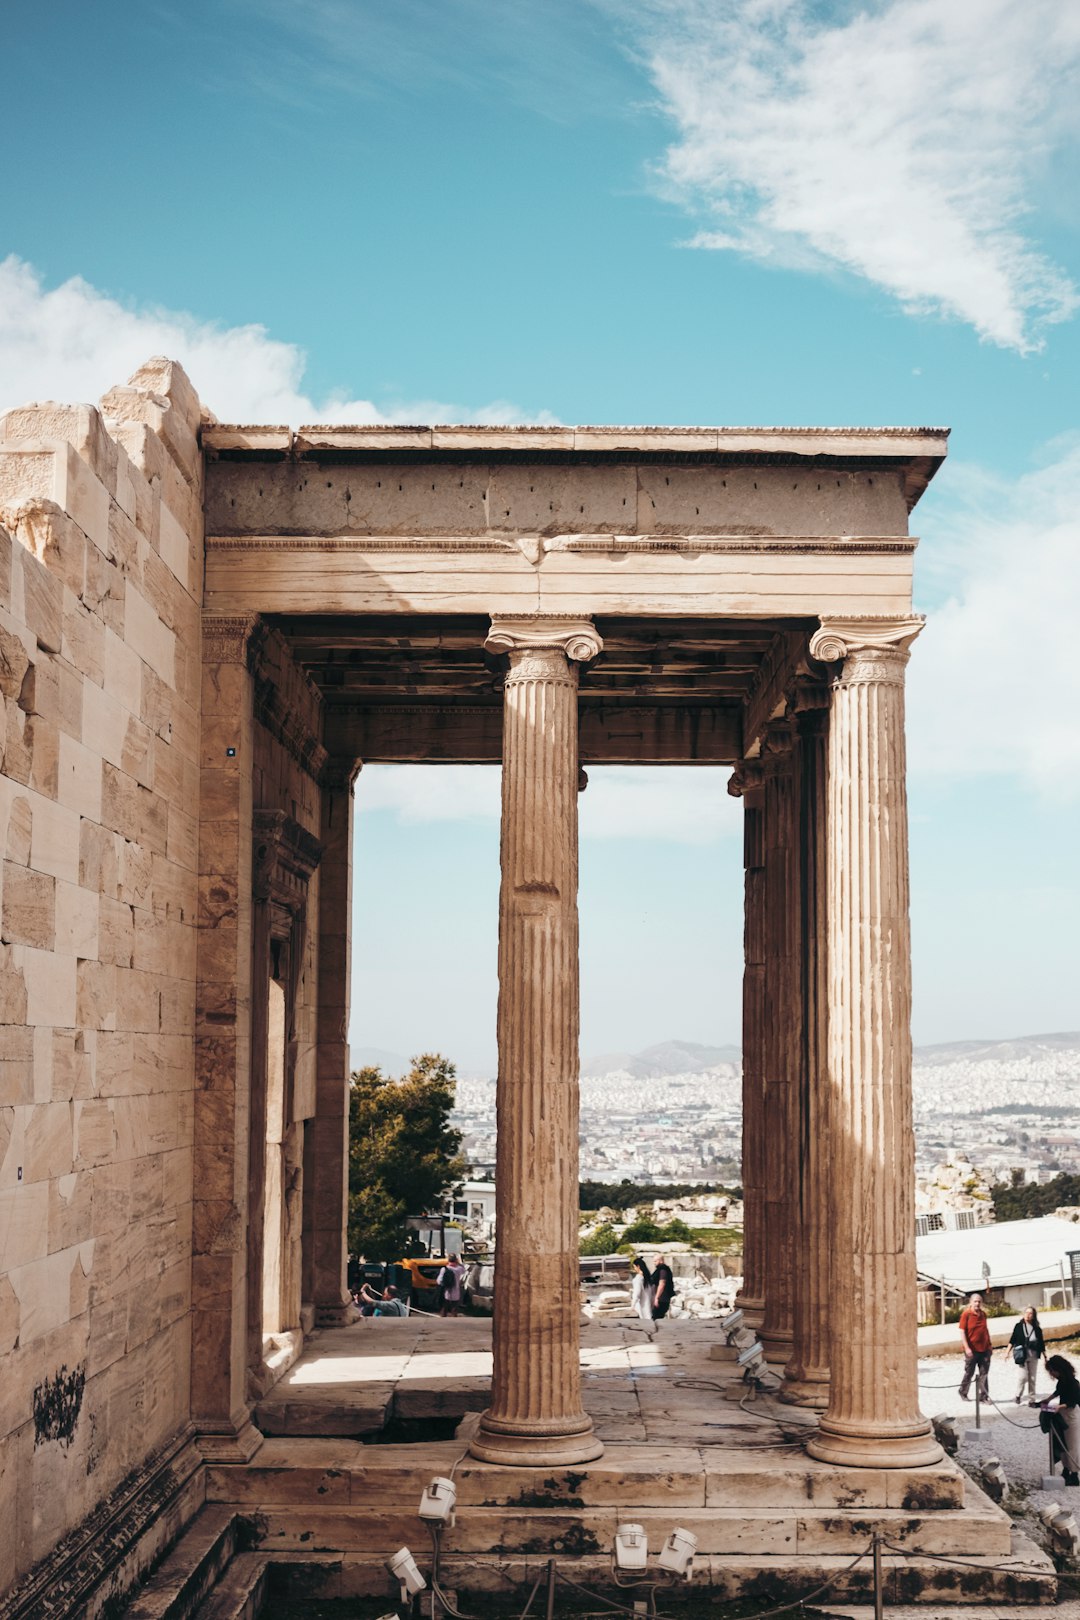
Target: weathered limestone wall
100,579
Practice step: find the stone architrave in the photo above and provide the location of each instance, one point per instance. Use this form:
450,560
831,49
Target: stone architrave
806,1376
326,1142
783,1031
536,1416
747,783
873,1418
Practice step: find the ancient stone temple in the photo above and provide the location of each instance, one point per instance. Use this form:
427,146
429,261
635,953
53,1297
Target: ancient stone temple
205,632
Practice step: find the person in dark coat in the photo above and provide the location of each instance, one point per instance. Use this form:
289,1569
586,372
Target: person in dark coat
663,1281
1026,1347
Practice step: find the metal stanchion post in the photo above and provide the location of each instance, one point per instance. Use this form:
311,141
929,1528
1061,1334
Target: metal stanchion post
550,1609
879,1592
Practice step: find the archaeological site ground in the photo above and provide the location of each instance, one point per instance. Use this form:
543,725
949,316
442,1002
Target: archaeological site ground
205,632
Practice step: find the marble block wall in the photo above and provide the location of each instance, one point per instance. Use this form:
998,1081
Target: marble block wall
100,581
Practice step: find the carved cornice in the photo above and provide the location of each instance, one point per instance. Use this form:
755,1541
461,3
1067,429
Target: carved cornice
285,856
566,633
839,638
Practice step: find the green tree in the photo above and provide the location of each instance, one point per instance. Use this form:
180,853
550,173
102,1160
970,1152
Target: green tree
403,1152
602,1241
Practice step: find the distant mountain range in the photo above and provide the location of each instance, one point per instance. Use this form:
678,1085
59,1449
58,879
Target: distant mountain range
690,1057
668,1057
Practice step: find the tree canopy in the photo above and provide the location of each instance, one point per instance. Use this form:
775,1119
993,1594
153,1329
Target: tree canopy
403,1152
1021,1200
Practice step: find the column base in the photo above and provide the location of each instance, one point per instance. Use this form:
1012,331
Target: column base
753,1309
777,1343
233,1443
904,1446
335,1315
809,1387
559,1443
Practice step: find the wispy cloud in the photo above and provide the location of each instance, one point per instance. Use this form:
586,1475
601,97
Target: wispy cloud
72,342
902,140
676,804
994,680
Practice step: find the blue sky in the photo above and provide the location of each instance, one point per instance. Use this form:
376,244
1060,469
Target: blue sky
719,211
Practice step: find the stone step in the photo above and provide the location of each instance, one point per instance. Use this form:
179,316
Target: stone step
1025,1576
980,1528
241,1592
344,1472
178,1589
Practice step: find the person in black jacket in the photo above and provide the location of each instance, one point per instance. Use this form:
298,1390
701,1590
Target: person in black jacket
1025,1347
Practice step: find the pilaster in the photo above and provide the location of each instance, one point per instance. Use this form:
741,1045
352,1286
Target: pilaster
326,1148
219,1405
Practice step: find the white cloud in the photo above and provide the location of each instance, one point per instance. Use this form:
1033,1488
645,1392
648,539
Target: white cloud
902,140
994,679
72,342
677,804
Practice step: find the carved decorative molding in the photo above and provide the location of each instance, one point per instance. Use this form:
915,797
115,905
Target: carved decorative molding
230,638
576,638
734,541
340,772
747,778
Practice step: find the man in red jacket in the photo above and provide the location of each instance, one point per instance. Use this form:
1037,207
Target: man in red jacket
975,1338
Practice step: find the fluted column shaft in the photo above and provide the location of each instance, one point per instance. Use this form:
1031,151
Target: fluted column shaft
783,1032
806,1376
747,783
536,1417
873,1416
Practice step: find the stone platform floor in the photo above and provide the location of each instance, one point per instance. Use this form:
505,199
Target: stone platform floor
352,1380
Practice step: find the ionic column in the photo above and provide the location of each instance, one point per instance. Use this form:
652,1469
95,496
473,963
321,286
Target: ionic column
783,1031
873,1418
748,784
535,1417
806,1376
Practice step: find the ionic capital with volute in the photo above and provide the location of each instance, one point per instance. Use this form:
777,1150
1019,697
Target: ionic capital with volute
875,647
574,637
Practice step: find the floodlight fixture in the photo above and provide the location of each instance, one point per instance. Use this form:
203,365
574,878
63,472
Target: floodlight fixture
752,1358
677,1553
730,1324
631,1547
403,1568
437,1502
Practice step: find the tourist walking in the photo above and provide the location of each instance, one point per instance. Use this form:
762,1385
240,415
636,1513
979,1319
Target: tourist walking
451,1285
641,1291
975,1338
663,1280
1025,1347
1061,1416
